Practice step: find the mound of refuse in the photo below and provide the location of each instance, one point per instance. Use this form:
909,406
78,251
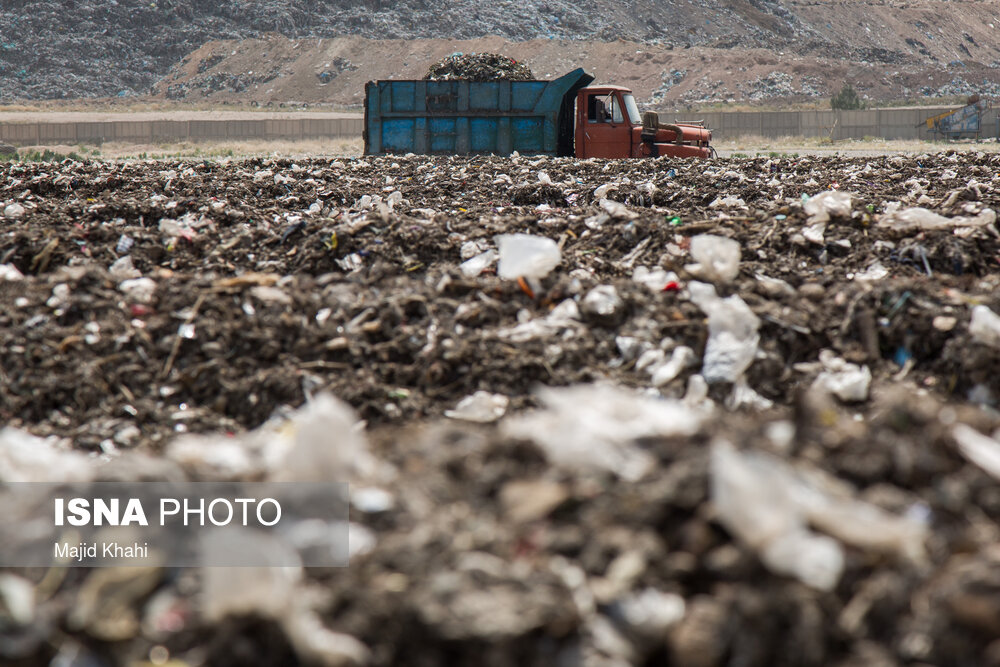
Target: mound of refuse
479,67
591,412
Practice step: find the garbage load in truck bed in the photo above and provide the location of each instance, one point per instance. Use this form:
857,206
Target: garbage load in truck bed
559,117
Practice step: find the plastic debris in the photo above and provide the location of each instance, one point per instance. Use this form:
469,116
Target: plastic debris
564,317
754,502
717,258
485,543
321,441
769,506
682,358
479,67
914,219
27,458
594,427
848,382
17,599
277,593
313,455
617,210
123,269
125,244
525,255
875,272
655,279
650,612
473,266
10,272
828,205
728,201
980,449
732,334
985,326
603,305
481,407
138,290
13,211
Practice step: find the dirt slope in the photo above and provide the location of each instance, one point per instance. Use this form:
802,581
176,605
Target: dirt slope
333,71
78,48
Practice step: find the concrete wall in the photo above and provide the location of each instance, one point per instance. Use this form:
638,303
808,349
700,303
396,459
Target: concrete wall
882,123
162,131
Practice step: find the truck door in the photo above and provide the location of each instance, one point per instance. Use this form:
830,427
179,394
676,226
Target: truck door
606,132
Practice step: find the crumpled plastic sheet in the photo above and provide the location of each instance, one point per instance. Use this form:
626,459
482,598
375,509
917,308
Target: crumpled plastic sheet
594,427
770,505
732,334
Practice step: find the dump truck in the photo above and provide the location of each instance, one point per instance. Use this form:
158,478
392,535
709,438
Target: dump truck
956,123
565,117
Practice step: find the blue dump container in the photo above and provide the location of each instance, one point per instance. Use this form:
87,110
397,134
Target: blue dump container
471,117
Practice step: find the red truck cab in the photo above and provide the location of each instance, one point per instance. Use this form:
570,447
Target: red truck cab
609,125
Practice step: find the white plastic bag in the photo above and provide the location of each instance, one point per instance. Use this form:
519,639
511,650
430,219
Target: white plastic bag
917,219
526,255
594,427
985,326
732,334
826,205
717,259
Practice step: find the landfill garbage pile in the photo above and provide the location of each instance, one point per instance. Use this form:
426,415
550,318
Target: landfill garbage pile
592,412
51,49
479,67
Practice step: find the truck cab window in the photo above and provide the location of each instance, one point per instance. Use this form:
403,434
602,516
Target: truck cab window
633,110
604,109
597,111
616,110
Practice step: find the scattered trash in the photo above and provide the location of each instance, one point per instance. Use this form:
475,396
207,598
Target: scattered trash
944,322
525,255
581,528
826,205
13,211
655,279
563,318
27,458
617,210
682,358
769,506
728,202
873,273
848,382
481,407
603,306
717,258
594,427
473,266
125,244
10,272
980,449
138,290
913,219
479,67
984,326
732,334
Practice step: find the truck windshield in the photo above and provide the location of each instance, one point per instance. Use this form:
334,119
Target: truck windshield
633,110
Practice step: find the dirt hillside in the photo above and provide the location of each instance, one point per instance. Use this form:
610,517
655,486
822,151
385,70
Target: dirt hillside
53,49
275,69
